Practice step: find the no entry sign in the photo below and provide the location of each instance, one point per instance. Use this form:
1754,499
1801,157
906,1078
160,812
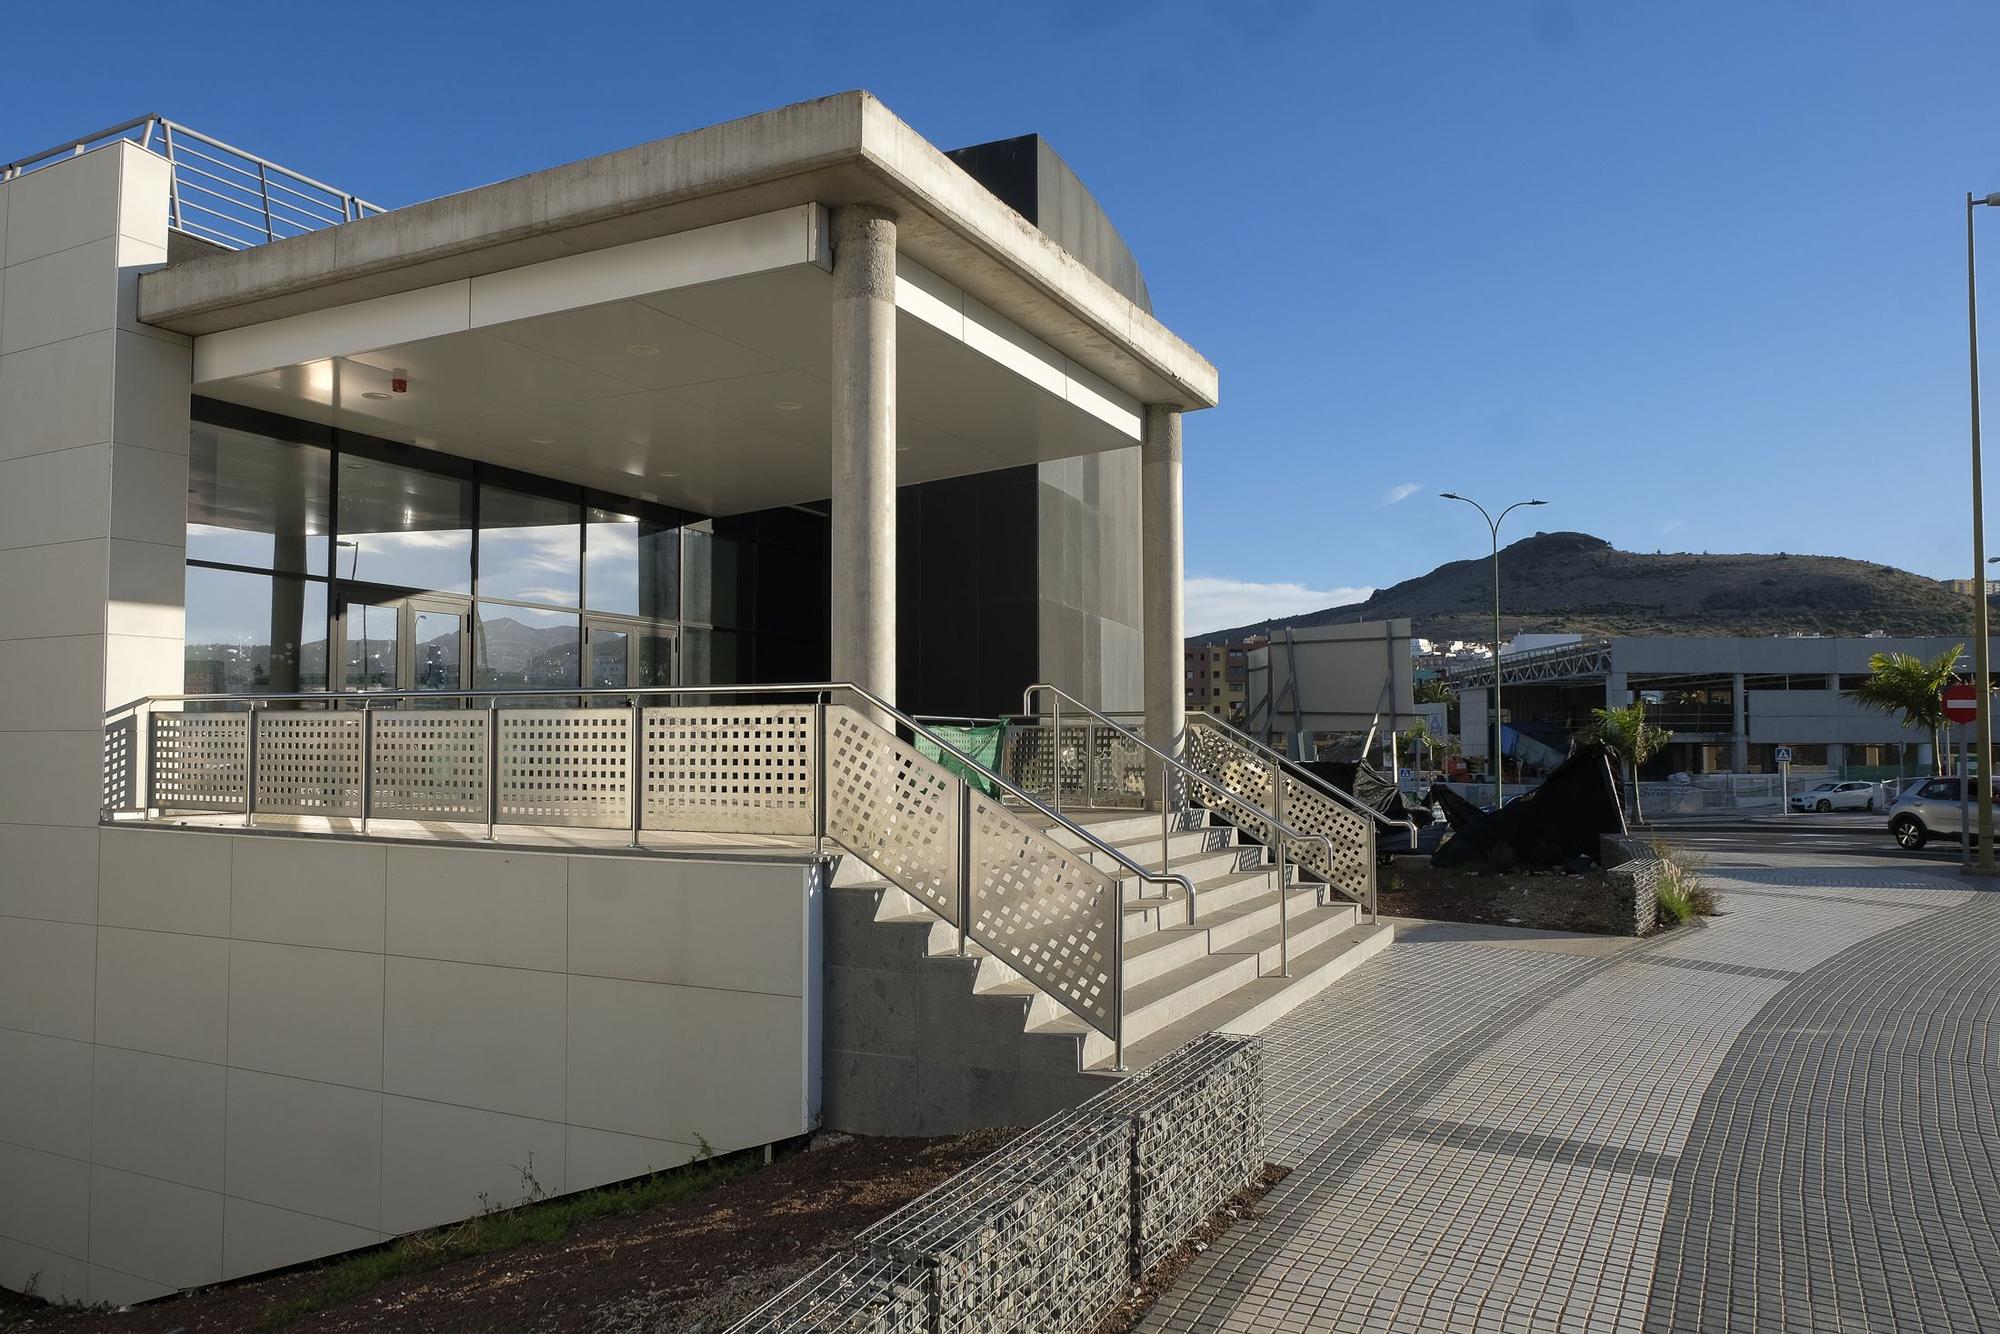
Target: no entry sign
1961,704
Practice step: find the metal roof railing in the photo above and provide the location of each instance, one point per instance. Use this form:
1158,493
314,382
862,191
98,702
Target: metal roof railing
218,192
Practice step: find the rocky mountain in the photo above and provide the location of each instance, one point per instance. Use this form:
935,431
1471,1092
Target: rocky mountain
1579,584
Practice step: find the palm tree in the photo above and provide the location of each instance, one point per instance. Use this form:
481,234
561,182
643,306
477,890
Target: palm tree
1906,684
1627,730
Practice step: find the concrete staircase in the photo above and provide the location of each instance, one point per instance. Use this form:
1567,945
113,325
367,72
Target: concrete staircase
989,1048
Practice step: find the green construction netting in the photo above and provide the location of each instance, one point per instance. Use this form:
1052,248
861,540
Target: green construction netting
981,743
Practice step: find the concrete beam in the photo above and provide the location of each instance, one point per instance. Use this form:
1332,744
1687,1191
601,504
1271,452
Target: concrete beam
839,150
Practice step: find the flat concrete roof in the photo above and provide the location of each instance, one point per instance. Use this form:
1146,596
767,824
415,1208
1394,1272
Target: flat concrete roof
844,149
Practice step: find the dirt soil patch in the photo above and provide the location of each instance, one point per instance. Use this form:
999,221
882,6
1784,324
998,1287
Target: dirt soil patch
693,1267
1545,900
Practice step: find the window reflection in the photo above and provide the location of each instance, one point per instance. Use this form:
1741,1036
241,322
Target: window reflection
632,566
256,501
523,647
254,632
404,528
529,547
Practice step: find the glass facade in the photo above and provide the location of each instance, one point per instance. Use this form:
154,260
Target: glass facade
428,572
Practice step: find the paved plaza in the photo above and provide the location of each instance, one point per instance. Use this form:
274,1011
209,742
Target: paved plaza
1782,1121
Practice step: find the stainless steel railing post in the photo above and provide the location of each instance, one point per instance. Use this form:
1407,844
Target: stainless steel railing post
1055,756
635,784
1118,974
964,861
492,768
250,768
367,763
1284,898
1090,763
819,776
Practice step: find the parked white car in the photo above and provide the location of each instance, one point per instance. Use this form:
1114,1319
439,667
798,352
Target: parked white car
1929,810
1836,795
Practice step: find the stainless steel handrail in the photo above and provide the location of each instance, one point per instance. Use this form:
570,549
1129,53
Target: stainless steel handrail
1279,829
1300,772
261,213
820,689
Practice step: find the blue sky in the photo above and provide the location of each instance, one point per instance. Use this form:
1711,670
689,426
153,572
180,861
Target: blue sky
1693,272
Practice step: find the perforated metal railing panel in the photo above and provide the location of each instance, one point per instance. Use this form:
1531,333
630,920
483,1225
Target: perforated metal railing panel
894,809
201,761
430,764
309,763
737,769
570,767
1228,764
121,764
1052,916
1100,765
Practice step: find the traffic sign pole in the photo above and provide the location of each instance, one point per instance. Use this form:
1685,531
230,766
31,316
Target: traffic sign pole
1784,757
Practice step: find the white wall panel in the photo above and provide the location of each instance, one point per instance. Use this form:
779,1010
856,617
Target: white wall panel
45,1099
298,891
163,993
476,1036
51,872
507,908
309,1147
45,977
441,1163
598,1157
257,1237
159,1116
158,1230
45,1200
60,395
313,1014
58,296
156,882
50,211
702,924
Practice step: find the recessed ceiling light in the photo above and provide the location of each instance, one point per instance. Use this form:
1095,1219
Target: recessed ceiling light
786,405
541,440
642,349
373,393
666,476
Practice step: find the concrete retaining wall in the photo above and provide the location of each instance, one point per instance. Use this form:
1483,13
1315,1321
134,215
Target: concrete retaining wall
1049,1232
1634,872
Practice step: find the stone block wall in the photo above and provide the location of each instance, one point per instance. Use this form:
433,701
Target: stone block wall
1634,872
1049,1232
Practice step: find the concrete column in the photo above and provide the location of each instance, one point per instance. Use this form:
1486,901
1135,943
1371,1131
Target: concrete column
1160,584
863,648
1616,696
1739,729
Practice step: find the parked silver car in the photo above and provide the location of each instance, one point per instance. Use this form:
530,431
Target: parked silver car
1836,795
1929,810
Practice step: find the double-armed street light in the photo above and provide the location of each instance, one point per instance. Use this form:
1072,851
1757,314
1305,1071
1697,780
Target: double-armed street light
1493,526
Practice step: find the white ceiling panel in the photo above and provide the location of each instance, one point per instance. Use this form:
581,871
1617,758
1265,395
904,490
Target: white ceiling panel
635,343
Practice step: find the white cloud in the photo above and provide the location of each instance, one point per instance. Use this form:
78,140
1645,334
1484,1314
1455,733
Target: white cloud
1673,526
1218,604
1395,495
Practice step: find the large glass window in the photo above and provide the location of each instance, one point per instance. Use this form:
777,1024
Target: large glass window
404,528
530,547
254,632
632,566
524,647
256,501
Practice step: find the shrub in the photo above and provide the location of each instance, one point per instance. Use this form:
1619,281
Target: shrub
1682,894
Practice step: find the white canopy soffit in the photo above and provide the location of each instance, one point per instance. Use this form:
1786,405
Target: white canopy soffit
692,369
626,324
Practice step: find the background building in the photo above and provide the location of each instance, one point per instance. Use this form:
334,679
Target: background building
1218,676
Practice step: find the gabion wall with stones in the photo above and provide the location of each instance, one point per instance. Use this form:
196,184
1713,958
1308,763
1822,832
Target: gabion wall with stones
1634,873
1048,1232
1198,1137
854,1293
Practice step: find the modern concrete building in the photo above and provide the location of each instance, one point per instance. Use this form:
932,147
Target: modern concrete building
463,670
1730,702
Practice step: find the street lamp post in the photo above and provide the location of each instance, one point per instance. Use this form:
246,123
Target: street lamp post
1980,666
1493,526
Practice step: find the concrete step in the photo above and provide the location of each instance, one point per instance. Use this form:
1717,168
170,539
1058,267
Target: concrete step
1219,931
1113,826
1257,1004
